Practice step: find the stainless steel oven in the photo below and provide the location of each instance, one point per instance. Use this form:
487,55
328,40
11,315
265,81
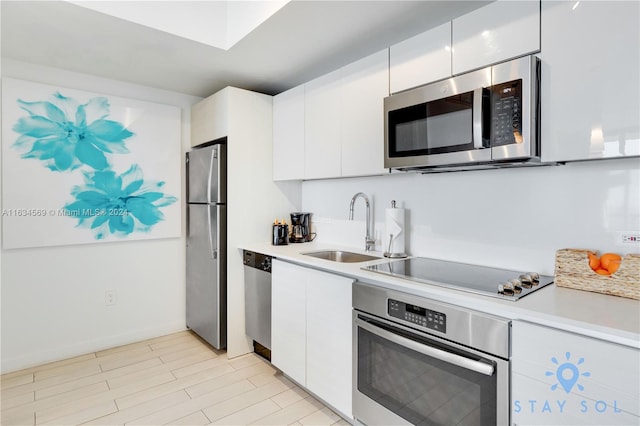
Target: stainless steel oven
419,361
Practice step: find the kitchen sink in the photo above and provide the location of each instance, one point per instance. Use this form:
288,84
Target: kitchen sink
341,256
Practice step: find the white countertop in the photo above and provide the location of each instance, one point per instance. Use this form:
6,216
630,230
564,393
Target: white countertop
611,318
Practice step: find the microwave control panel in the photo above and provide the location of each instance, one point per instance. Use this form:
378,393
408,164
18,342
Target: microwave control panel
506,113
423,317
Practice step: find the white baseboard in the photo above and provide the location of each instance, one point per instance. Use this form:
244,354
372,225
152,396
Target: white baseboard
8,365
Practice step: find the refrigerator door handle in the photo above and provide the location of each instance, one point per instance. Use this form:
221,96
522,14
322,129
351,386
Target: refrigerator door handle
213,250
214,156
188,223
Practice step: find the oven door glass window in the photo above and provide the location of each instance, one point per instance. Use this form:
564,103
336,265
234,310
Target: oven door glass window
421,389
436,127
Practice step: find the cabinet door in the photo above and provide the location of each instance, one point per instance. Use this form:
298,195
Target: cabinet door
209,119
494,33
590,102
421,59
288,319
365,84
288,134
329,338
322,127
564,378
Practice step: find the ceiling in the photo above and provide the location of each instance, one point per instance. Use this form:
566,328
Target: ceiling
301,41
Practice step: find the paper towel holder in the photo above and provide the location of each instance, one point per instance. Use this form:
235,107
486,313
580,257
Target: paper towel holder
393,255
388,253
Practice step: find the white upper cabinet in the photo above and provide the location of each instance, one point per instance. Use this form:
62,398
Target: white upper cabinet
288,134
421,59
494,33
322,120
365,84
563,378
342,122
590,85
209,119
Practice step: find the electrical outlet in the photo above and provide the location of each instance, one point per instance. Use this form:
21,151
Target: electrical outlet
629,238
110,297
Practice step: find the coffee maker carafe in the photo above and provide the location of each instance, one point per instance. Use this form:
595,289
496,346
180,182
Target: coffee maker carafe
300,232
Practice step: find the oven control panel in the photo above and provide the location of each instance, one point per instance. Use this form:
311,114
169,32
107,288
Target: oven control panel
418,315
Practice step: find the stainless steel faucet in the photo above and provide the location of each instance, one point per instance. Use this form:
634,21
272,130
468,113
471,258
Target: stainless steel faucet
369,240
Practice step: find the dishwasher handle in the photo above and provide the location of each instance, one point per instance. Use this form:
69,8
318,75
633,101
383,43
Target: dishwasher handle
448,357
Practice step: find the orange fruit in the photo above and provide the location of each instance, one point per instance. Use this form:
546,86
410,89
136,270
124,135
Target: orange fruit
594,261
613,266
606,258
602,271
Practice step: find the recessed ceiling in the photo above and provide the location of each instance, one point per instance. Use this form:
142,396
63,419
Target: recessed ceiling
218,24
301,41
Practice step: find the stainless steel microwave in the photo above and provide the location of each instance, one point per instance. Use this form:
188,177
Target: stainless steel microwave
481,119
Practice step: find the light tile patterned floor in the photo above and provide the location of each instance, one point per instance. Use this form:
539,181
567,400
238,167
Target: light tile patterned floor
175,379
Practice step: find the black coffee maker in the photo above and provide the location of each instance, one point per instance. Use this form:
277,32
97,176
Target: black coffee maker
300,227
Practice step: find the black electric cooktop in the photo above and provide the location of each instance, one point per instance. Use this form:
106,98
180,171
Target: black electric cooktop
499,283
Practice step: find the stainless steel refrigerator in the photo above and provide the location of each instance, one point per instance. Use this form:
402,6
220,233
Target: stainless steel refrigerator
207,243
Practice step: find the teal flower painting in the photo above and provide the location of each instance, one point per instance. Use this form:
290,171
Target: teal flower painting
109,203
83,167
65,134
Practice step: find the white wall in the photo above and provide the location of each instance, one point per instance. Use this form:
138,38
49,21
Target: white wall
511,218
53,299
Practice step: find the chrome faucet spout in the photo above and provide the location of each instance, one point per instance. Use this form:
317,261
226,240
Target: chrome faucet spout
353,201
369,240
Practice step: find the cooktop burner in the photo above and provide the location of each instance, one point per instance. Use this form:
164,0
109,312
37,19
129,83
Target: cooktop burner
500,283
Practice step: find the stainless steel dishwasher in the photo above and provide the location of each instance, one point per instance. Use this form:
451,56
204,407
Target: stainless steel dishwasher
257,301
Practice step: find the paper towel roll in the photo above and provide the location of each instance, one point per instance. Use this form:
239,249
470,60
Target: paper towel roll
394,224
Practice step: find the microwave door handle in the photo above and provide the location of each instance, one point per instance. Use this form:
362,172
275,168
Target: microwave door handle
478,114
448,357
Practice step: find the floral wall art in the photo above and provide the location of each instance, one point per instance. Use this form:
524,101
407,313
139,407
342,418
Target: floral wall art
79,167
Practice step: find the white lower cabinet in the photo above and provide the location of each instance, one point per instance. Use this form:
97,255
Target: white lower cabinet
289,320
562,378
329,338
311,338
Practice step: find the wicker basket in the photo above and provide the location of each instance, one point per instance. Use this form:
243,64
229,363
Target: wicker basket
573,271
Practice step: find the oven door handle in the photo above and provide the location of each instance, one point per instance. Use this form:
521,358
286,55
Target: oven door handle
448,357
